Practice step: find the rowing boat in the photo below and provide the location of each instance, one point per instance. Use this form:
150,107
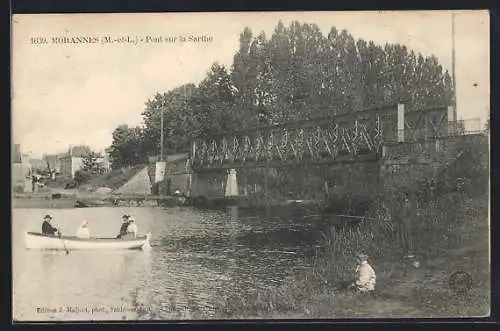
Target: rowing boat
35,240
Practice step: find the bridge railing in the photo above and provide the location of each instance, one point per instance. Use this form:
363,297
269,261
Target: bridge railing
444,130
345,137
342,137
387,113
430,145
465,127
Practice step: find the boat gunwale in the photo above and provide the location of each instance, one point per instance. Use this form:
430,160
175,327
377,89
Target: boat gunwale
91,239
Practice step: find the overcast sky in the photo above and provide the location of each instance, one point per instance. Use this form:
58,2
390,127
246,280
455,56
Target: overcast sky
78,94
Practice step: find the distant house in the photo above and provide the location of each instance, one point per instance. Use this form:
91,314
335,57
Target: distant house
72,161
38,164
60,159
52,162
21,169
104,160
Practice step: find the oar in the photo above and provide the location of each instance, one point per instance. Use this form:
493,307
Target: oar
124,213
64,244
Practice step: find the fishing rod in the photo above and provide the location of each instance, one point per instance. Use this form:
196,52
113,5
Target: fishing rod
124,213
64,243
355,217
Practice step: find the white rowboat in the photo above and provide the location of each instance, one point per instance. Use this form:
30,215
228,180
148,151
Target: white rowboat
35,240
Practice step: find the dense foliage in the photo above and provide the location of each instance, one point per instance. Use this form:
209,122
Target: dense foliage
128,147
81,177
90,163
297,73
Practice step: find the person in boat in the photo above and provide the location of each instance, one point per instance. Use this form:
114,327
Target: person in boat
123,228
83,231
132,227
365,277
47,228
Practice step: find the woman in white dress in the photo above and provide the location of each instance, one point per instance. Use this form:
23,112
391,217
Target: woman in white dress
83,231
132,227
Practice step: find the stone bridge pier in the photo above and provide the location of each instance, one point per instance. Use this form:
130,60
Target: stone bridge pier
215,183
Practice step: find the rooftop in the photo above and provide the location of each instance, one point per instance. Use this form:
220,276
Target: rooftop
50,158
38,163
79,151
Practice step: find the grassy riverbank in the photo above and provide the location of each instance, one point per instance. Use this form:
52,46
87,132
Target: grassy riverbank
443,222
113,179
449,236
43,200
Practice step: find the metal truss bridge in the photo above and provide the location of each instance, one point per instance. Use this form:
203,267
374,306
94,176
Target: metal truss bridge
348,137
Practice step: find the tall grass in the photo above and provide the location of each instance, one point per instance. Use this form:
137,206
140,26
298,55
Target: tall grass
427,231
443,222
435,229
424,218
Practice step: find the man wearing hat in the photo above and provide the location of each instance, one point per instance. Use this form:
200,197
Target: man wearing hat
365,278
123,228
47,228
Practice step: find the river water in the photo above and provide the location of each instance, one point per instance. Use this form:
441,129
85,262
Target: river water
197,259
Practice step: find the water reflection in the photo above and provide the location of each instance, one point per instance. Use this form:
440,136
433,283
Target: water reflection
196,261
232,211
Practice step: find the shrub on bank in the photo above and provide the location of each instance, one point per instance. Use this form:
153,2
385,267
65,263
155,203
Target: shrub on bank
70,184
439,234
426,231
349,204
444,222
82,177
19,189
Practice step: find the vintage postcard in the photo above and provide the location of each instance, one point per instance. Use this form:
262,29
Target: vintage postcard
258,165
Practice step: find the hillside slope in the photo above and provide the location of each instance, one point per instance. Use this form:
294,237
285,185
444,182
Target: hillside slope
114,179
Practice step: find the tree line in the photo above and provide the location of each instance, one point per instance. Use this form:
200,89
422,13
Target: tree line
296,74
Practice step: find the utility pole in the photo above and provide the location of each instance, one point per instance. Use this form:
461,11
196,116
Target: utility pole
266,173
453,77
161,135
266,178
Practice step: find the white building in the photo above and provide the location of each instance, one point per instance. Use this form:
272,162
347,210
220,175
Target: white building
21,170
104,160
72,161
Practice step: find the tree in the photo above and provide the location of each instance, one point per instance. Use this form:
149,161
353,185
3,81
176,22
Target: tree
298,73
244,76
82,176
333,96
127,147
90,163
214,103
180,120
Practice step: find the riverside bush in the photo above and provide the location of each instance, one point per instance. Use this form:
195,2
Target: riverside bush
425,219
